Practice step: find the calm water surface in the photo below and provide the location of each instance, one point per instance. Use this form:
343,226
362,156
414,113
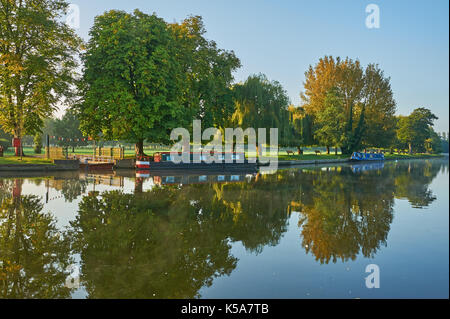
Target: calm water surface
308,232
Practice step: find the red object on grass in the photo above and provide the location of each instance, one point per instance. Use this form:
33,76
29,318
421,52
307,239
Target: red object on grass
16,142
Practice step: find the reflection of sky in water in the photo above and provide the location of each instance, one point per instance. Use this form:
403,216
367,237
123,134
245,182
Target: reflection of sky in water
66,211
413,264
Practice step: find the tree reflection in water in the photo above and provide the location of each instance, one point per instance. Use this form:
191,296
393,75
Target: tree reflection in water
171,241
33,254
345,214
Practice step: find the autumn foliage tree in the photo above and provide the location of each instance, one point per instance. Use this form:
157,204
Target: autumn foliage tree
366,97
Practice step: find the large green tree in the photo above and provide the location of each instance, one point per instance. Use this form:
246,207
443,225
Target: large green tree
67,131
37,63
331,122
207,73
132,80
144,77
380,122
434,143
415,129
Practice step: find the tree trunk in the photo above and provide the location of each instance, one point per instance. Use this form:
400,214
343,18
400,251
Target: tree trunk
138,186
335,151
139,148
328,150
19,150
410,148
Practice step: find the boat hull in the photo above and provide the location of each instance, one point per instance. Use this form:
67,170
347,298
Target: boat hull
97,166
198,166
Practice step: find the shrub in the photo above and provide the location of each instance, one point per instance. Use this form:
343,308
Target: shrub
38,143
5,143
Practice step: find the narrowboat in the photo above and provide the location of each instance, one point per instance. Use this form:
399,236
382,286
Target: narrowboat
358,157
93,164
226,161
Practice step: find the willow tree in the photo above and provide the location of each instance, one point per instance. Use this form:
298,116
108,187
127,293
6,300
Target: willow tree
300,128
37,63
261,103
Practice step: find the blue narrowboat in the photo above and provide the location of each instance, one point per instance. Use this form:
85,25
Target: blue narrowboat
357,156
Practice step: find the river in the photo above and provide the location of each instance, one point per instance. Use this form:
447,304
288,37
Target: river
306,232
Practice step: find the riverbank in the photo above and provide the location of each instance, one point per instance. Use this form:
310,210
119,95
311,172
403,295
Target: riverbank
34,164
332,159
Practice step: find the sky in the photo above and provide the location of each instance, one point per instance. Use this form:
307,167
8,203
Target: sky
281,38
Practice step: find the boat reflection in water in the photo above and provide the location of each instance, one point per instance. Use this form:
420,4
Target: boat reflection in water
362,167
164,178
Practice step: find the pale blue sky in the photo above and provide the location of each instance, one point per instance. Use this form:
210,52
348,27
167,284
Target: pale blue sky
282,38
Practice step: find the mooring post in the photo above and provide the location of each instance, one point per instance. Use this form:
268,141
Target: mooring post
47,149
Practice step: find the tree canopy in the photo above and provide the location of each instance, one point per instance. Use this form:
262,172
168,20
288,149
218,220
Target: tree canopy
68,129
144,77
415,129
207,73
131,83
366,98
261,103
37,63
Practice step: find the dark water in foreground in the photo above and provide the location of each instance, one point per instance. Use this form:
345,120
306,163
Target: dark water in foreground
297,233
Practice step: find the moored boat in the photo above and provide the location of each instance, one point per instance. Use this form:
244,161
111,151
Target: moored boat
357,156
161,161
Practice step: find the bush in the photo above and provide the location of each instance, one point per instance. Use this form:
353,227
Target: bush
5,143
38,143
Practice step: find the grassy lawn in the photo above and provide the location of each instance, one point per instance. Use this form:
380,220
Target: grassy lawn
311,157
129,153
413,156
12,160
